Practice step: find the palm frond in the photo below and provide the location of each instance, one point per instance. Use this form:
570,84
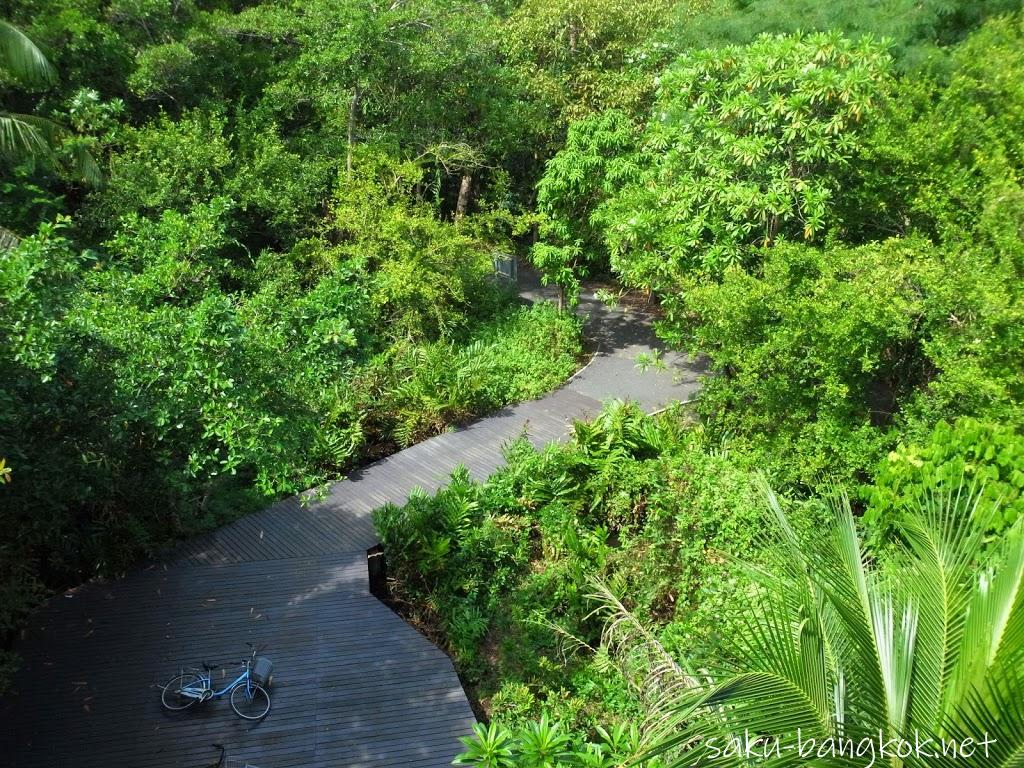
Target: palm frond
895,638
754,707
993,713
942,542
834,646
85,167
23,136
819,613
993,636
660,683
22,58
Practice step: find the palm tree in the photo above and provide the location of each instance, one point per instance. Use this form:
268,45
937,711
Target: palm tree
846,646
30,136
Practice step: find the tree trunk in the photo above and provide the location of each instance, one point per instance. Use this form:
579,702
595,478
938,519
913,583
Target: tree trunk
465,187
351,129
773,229
8,239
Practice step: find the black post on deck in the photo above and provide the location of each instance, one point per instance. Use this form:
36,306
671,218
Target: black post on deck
377,569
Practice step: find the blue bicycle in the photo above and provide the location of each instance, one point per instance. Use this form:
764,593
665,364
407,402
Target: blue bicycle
248,692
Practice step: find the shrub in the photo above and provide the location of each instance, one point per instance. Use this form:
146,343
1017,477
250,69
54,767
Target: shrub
501,571
521,353
816,353
979,455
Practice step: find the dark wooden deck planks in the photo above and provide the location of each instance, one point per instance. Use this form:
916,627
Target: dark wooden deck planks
354,684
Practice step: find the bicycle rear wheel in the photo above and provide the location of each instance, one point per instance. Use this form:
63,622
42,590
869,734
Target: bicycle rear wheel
182,691
251,702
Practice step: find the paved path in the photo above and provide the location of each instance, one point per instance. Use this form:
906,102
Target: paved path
354,685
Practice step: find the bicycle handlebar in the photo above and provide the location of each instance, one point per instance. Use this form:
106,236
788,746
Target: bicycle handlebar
255,650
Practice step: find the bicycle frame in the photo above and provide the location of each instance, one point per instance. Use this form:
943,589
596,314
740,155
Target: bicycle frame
207,679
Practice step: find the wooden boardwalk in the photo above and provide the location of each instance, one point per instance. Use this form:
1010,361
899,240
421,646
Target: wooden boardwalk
353,685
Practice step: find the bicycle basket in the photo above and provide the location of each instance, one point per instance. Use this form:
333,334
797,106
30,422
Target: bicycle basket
262,671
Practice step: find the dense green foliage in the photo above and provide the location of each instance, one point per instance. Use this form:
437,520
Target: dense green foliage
279,276
840,233
918,658
244,247
745,146
692,641
819,350
501,571
843,243
986,458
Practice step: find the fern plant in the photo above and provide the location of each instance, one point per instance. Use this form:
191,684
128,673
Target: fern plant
543,744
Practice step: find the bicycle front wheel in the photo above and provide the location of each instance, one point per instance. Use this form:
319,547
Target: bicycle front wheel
183,691
250,701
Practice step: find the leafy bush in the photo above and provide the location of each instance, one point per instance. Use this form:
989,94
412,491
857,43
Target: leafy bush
499,573
944,158
816,353
429,279
167,164
519,355
988,458
181,404
274,195
744,146
827,356
542,744
450,554
573,59
594,163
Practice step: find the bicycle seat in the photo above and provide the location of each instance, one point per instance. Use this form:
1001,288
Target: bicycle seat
209,666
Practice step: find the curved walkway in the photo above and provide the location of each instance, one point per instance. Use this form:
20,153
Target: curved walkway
353,684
